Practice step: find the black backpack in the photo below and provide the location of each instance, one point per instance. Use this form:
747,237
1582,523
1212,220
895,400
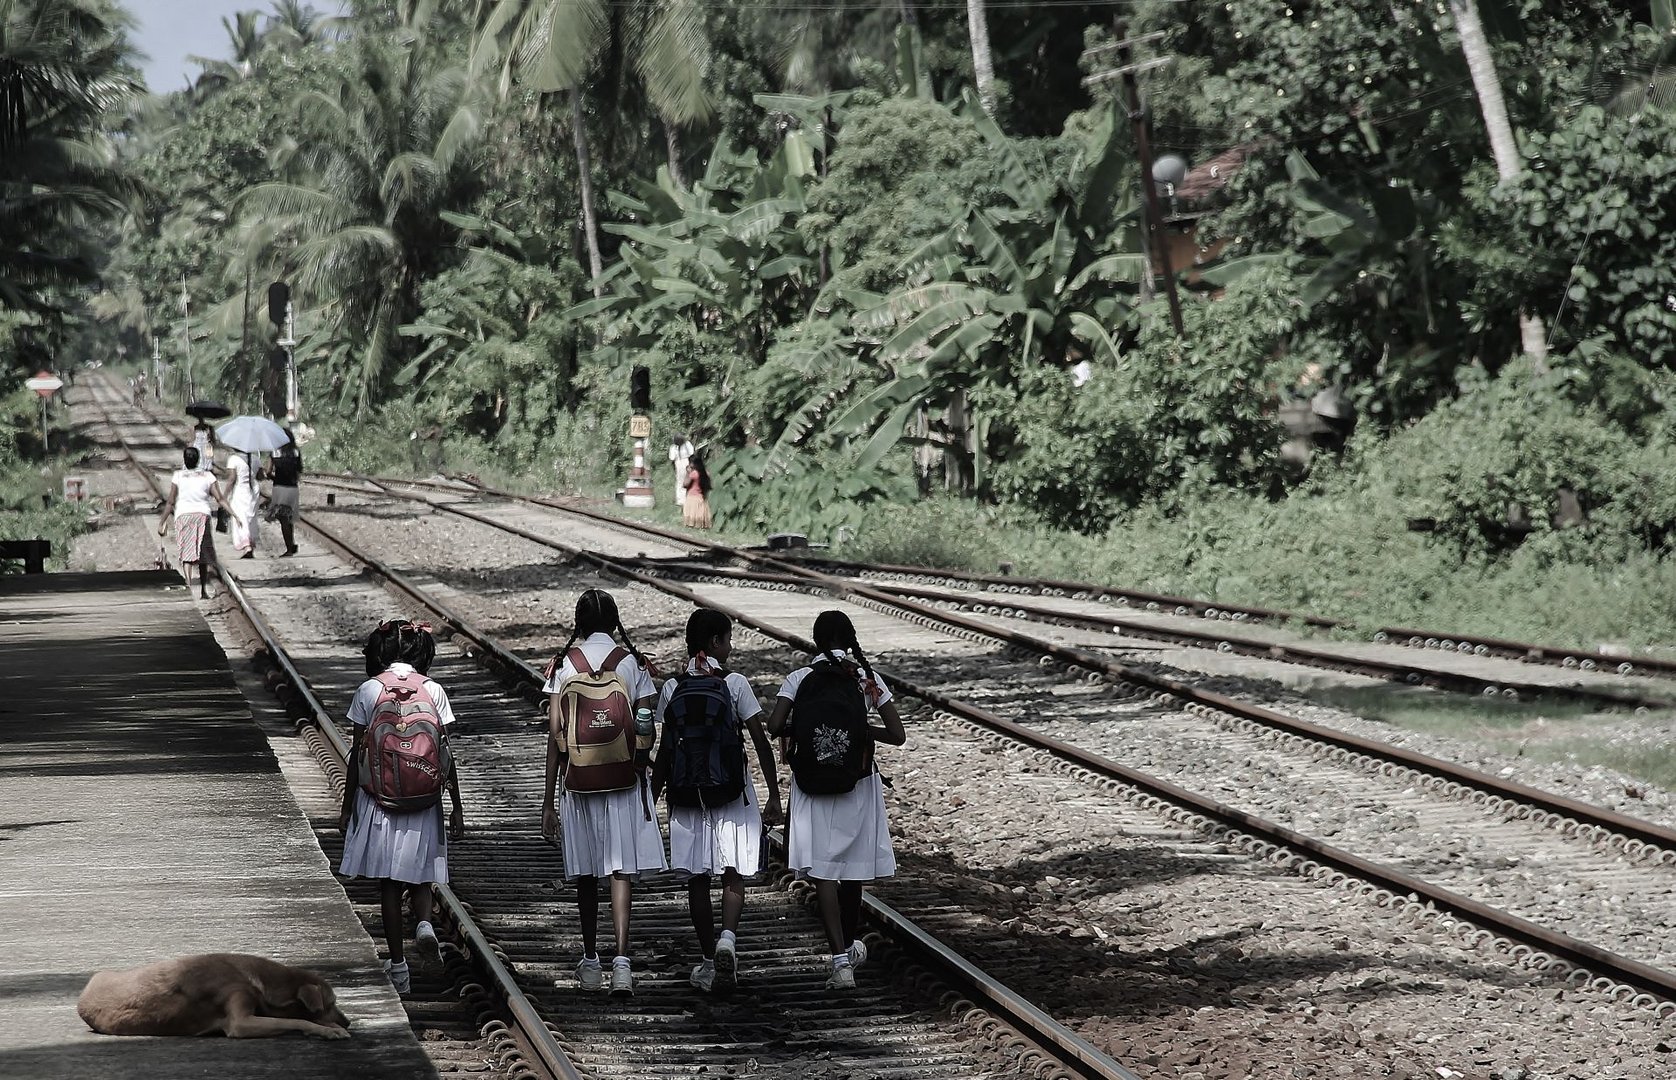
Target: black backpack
706,746
831,742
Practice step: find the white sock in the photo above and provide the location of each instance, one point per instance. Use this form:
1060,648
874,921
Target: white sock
400,965
419,931
590,958
842,960
621,961
727,936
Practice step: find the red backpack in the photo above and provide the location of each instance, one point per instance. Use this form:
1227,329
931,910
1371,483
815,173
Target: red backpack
596,726
406,762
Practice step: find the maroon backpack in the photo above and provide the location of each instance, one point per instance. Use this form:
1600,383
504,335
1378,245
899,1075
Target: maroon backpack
406,762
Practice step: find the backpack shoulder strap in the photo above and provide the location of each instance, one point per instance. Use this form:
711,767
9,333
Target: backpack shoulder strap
579,661
613,658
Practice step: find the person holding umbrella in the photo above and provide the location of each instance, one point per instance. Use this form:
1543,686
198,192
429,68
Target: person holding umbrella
249,435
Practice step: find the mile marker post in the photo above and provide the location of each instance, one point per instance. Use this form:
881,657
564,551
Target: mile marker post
638,491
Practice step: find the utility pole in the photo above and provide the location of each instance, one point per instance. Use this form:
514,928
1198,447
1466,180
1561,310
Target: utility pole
1158,242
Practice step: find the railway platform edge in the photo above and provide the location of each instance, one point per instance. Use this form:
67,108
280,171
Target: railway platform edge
144,816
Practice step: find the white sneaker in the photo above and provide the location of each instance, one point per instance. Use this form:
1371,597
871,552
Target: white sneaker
727,961
622,981
857,952
426,944
842,978
704,976
400,977
589,974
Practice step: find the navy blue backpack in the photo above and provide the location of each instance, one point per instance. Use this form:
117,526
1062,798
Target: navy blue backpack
707,747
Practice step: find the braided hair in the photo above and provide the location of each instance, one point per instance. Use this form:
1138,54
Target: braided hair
833,630
596,613
399,641
704,626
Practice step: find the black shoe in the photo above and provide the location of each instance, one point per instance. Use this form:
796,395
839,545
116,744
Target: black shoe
287,553
248,555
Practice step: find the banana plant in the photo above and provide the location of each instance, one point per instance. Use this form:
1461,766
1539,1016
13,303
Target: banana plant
1051,279
723,257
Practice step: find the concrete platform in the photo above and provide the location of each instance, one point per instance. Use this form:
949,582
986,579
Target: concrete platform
142,816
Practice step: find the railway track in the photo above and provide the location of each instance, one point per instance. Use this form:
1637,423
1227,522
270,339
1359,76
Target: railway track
1083,608
1145,800
1591,828
508,911
1573,658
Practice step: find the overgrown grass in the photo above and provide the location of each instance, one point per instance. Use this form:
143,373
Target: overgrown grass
24,517
1327,556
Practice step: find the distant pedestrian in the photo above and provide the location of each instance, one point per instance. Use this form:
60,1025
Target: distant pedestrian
243,500
715,823
405,847
680,451
695,511
837,834
203,439
597,693
285,469
193,497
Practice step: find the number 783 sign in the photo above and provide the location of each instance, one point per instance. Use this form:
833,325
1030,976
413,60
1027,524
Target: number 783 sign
640,427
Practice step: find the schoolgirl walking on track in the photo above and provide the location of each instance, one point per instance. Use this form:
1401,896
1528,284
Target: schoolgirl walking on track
611,832
723,838
406,851
193,497
839,839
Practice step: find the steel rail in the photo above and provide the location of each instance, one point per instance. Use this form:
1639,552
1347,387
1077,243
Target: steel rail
1555,655
1408,675
1623,969
985,990
1636,828
532,1028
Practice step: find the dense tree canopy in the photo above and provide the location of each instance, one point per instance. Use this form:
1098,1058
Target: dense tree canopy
855,260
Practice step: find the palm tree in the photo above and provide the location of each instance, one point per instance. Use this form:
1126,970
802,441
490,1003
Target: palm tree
293,24
554,45
358,223
62,81
246,40
983,64
1533,337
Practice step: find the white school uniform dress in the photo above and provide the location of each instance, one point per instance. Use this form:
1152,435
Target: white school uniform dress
411,846
609,832
840,837
711,839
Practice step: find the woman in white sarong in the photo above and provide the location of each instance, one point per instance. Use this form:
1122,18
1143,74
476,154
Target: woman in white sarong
242,498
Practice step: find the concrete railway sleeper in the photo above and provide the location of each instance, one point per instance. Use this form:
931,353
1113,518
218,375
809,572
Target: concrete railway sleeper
1638,978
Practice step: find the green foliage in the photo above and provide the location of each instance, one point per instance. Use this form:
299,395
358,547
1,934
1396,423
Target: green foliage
904,171
65,81
1601,193
939,532
1170,419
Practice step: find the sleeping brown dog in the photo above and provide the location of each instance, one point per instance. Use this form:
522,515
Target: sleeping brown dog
243,997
